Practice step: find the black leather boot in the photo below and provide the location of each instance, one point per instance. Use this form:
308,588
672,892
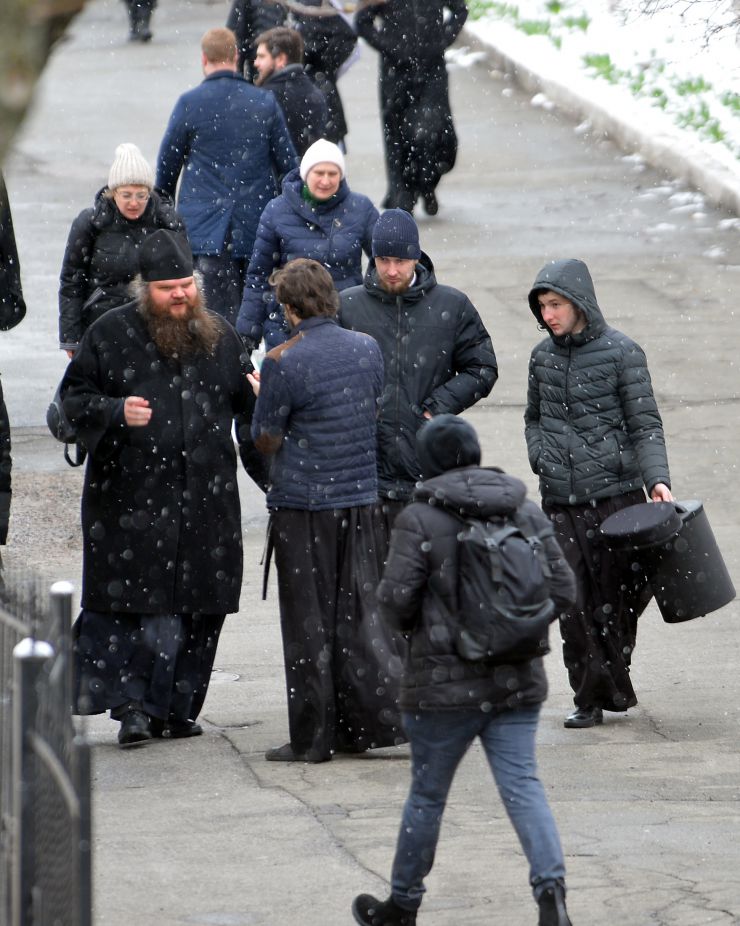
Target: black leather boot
552,907
584,717
135,728
369,911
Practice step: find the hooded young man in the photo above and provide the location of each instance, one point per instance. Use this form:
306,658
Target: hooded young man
595,439
446,701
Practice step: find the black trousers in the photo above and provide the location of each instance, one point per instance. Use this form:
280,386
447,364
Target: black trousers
600,631
418,132
159,662
342,665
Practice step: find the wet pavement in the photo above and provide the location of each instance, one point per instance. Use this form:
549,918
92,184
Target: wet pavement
205,831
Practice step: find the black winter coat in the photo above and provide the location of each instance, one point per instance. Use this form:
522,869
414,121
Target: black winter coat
592,425
247,19
101,259
418,593
303,105
438,357
328,42
160,505
12,304
411,30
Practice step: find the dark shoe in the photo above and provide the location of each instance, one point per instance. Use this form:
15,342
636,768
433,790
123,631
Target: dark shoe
431,206
135,729
369,911
552,907
584,717
286,754
179,729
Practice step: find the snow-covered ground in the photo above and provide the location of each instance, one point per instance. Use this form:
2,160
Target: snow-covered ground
679,61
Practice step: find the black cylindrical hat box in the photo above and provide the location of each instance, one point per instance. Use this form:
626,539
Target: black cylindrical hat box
675,545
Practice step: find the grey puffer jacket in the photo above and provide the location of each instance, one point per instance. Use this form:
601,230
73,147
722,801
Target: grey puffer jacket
592,425
418,593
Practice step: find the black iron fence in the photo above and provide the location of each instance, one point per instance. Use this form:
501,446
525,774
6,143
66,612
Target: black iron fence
45,852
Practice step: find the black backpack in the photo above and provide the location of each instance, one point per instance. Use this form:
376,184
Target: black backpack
504,607
62,429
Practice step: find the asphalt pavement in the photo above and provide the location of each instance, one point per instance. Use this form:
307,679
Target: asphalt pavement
204,831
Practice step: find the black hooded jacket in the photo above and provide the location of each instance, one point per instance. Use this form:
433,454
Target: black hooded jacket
592,424
418,592
101,260
438,358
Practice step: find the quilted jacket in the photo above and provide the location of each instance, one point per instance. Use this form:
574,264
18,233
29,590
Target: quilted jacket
592,425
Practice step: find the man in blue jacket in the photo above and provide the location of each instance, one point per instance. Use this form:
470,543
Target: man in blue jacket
231,144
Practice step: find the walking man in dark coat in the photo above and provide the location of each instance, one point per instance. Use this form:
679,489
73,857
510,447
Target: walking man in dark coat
153,391
447,702
595,439
438,355
315,416
247,19
418,132
231,144
278,62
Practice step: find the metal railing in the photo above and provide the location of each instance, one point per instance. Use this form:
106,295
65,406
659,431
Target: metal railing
45,849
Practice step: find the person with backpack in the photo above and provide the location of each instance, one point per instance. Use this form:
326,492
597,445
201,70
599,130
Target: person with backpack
448,700
102,254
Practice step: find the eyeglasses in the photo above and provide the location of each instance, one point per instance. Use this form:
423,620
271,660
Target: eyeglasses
127,197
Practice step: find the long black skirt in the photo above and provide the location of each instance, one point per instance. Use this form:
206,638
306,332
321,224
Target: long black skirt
342,664
418,131
160,663
600,631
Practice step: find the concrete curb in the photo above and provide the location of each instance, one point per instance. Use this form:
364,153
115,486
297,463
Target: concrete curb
537,66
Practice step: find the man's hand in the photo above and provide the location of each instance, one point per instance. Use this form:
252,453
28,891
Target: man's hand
254,381
661,493
136,411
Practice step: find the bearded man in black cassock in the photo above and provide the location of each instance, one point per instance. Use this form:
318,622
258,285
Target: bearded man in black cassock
154,390
418,132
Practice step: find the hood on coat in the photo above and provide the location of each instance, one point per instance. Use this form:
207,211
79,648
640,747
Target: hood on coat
569,278
425,280
473,491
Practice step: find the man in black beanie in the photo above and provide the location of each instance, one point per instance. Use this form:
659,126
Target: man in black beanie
447,701
438,355
153,391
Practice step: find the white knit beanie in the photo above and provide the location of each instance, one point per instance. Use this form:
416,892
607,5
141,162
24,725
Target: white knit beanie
320,152
130,168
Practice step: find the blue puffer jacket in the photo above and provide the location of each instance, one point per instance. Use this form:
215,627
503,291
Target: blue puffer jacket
229,139
316,412
334,233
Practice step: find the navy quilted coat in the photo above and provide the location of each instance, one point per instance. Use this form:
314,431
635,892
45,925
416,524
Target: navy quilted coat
316,412
334,233
229,140
592,424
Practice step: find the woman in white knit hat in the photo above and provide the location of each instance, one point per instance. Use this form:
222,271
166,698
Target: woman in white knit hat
316,216
101,257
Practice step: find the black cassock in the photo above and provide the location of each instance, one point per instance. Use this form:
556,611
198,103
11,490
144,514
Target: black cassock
418,131
161,518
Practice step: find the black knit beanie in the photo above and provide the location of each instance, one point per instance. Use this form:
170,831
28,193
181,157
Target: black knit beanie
446,442
396,235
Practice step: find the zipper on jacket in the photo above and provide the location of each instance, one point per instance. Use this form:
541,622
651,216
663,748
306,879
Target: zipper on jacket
570,429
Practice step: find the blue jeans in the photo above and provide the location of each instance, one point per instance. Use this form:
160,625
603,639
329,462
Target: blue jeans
439,740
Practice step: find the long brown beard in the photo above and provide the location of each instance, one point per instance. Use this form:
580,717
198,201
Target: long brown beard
198,331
